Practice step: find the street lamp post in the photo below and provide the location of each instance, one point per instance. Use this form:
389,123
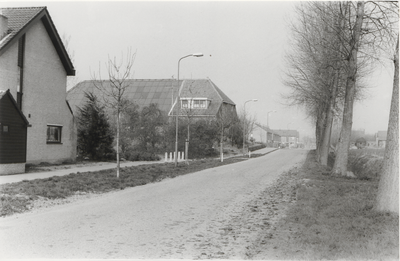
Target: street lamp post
268,126
244,121
178,106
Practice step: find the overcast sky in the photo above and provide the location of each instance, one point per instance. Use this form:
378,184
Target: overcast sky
243,45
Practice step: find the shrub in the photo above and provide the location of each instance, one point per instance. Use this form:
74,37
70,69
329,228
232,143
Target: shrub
365,166
132,155
95,137
257,147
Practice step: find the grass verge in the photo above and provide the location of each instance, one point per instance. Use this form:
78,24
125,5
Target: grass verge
332,218
19,196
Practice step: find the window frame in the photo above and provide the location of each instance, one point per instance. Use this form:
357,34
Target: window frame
185,103
54,126
190,103
5,129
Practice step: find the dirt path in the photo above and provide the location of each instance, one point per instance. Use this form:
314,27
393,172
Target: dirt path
210,214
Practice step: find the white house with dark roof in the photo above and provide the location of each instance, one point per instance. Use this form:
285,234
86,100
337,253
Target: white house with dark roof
34,66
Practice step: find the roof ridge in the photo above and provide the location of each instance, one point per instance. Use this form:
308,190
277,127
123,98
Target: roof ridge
23,7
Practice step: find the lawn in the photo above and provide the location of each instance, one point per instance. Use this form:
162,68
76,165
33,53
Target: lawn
334,217
19,196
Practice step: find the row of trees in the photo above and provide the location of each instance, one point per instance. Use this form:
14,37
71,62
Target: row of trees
335,45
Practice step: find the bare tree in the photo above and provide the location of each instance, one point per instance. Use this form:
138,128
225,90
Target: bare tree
247,123
113,90
225,119
336,44
340,165
315,70
372,28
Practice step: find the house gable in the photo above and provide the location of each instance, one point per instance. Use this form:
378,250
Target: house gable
11,106
20,20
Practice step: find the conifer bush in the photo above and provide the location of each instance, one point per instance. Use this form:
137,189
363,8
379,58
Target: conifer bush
95,137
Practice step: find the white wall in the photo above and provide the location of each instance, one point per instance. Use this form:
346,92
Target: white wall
44,95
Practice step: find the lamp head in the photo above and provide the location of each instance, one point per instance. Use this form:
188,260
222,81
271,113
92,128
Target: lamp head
197,54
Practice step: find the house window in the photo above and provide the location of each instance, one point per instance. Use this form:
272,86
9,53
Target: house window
200,104
5,129
185,103
54,134
195,103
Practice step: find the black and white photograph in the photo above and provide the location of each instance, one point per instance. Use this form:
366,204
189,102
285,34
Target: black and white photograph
199,130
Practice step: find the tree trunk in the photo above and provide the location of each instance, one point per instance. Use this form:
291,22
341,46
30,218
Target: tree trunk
340,165
187,144
388,190
319,133
326,139
327,132
118,114
222,149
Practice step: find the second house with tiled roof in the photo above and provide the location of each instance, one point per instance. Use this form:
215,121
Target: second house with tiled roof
34,66
199,98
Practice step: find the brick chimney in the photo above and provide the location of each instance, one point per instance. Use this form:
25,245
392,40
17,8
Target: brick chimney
3,25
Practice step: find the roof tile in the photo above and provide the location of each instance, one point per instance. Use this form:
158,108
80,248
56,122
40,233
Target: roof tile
18,18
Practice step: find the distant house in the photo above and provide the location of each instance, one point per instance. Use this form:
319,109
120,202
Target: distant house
34,66
198,98
13,134
289,137
264,134
380,138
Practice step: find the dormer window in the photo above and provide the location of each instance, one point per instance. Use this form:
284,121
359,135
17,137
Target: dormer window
194,103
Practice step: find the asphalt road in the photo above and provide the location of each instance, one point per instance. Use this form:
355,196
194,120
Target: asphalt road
182,217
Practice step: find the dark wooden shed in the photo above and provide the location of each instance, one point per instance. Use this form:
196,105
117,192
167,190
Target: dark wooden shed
13,133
